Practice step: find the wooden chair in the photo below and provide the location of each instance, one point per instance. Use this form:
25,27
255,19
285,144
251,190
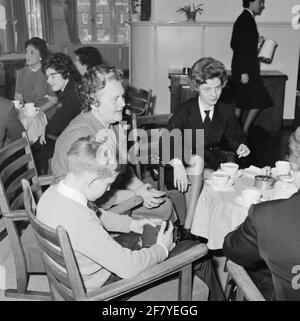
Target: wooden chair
16,162
66,281
145,148
138,101
239,280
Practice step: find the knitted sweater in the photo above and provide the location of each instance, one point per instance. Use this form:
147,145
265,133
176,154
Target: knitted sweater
97,253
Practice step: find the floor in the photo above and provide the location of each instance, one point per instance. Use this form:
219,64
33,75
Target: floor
265,150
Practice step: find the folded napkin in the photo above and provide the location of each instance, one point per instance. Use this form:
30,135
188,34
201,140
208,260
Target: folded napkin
252,171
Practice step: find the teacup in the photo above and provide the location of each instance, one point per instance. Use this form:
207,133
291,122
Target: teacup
17,104
282,168
30,110
230,168
250,196
220,178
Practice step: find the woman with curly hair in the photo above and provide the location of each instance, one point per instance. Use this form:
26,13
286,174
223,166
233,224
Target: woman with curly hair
31,83
102,93
62,77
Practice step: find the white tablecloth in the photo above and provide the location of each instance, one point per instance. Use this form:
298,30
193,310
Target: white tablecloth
217,212
34,126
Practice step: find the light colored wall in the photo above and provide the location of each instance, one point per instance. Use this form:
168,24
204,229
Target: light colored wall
275,23
222,10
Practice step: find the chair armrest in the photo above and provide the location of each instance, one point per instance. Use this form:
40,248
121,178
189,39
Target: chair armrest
45,179
16,215
127,205
154,273
243,280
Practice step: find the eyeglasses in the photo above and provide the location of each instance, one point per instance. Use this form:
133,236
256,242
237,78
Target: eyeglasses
52,75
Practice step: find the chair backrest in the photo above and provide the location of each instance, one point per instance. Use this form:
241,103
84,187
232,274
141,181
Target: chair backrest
239,280
62,269
16,162
146,144
138,101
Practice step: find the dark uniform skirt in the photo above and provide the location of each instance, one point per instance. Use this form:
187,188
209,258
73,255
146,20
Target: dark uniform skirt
252,95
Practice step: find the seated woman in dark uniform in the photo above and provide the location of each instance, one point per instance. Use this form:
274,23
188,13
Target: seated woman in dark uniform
207,77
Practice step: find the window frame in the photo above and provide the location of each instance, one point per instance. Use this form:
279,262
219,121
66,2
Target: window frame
111,29
34,19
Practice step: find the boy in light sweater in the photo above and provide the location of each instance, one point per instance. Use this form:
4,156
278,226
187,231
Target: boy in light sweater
92,168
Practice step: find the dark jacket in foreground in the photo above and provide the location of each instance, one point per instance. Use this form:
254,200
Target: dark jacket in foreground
271,233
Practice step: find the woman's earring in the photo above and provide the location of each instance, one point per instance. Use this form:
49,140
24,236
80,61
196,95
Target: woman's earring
95,104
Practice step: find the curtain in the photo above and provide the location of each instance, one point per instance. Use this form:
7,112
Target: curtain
19,13
70,10
47,21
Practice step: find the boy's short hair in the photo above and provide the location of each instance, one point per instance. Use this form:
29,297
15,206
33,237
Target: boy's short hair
87,154
204,69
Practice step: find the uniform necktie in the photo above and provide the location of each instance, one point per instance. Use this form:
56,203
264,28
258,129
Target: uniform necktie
207,120
94,207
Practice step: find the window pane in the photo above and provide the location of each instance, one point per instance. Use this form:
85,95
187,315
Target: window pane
83,6
103,35
34,20
103,20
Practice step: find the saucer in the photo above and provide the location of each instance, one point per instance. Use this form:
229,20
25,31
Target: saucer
227,187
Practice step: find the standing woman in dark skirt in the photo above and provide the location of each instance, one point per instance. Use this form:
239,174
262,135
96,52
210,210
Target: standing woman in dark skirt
250,92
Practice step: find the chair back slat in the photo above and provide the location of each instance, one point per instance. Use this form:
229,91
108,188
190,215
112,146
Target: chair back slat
138,100
14,188
58,256
58,290
51,249
57,271
14,166
11,149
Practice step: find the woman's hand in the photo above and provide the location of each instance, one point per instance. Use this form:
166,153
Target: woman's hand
181,181
151,196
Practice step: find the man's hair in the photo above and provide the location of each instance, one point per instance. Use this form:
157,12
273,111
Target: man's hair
246,3
94,80
87,154
204,69
89,56
40,45
294,147
63,64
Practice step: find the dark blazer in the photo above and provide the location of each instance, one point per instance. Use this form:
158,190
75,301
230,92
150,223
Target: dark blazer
224,130
69,108
244,43
271,233
11,127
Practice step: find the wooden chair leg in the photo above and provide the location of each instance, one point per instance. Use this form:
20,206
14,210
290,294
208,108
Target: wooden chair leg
185,284
28,295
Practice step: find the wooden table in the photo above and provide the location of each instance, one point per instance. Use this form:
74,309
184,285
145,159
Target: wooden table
218,212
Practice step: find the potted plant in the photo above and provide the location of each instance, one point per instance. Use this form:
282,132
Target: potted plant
191,11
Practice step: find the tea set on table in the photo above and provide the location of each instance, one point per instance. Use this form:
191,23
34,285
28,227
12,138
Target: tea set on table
269,183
